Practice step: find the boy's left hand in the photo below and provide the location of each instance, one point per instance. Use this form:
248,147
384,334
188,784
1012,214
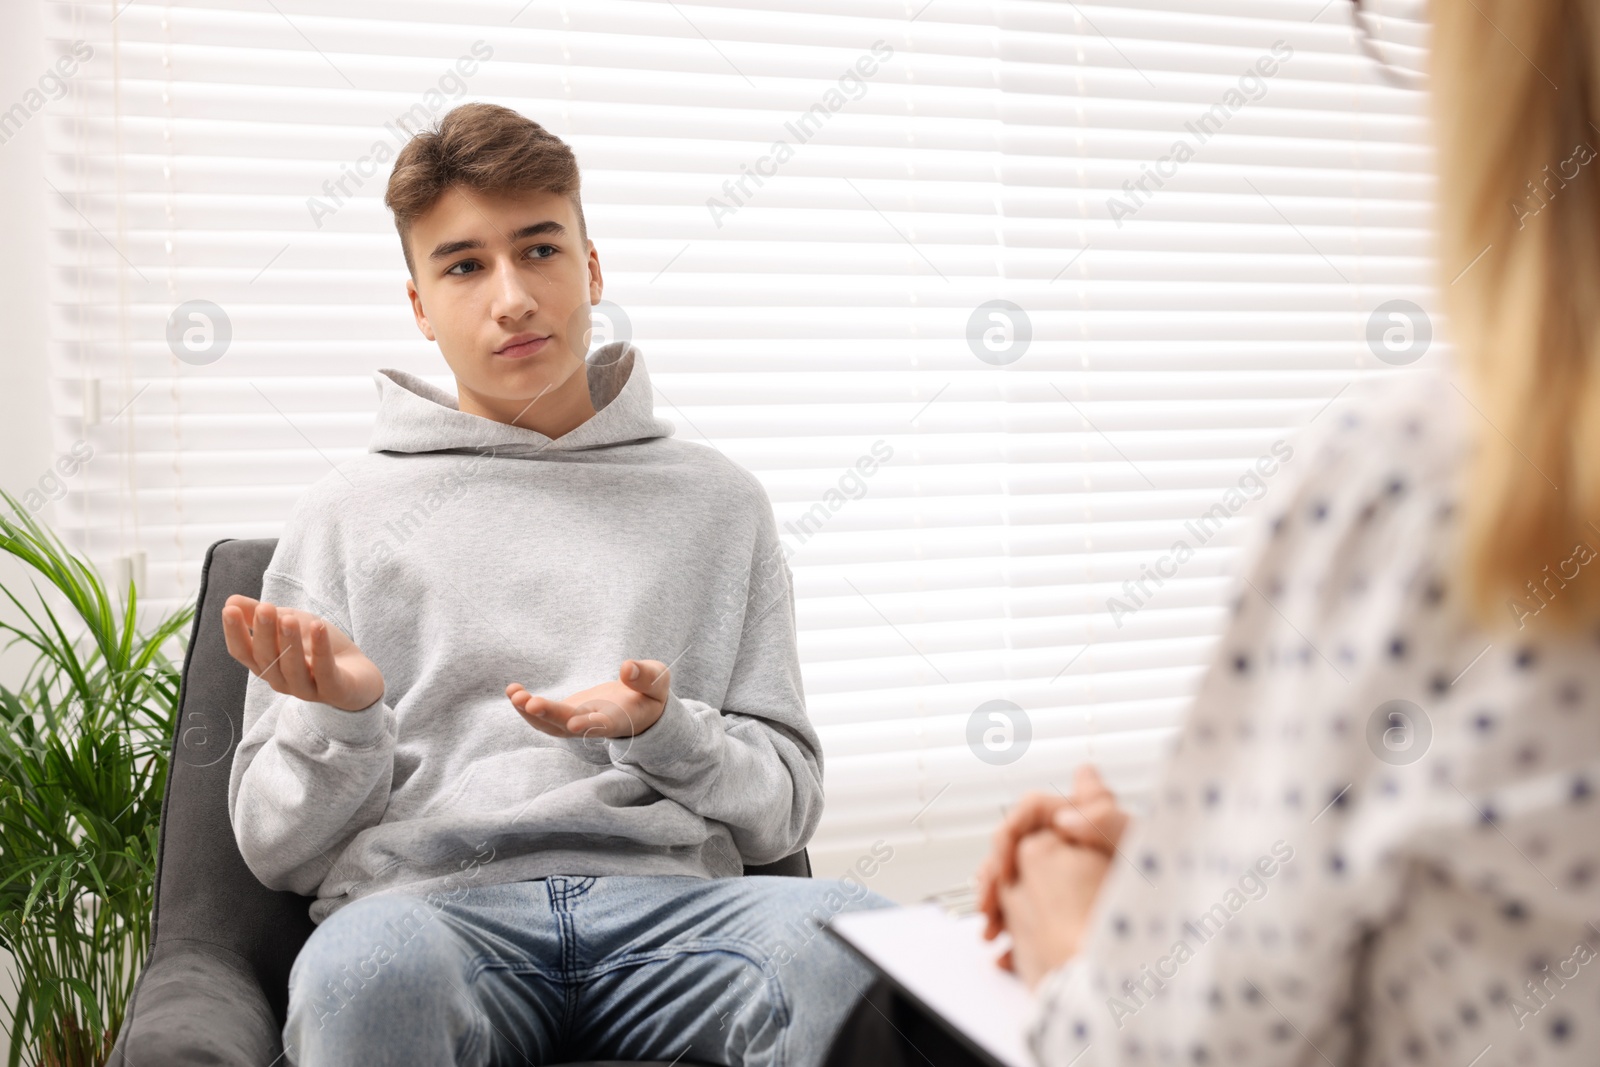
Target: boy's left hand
622,708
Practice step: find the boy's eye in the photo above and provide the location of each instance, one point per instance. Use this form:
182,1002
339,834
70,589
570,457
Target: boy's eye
472,266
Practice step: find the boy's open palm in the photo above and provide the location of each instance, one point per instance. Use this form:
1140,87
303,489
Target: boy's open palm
622,708
300,654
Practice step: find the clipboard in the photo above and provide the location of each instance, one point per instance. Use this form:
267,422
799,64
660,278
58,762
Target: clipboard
942,964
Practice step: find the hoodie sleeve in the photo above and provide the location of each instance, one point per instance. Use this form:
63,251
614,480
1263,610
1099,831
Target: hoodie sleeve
307,776
754,764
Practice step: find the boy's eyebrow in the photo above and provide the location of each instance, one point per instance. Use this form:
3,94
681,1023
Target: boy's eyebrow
450,248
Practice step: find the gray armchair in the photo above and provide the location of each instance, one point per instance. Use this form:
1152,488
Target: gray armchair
215,987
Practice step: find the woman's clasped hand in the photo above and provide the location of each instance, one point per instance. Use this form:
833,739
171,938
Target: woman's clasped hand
1048,860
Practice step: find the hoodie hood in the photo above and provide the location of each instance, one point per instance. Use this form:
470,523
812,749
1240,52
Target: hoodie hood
416,416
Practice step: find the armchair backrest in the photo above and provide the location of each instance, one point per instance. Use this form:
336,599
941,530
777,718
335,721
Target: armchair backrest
204,891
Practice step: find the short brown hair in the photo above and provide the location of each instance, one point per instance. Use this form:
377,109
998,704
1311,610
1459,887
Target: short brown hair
484,147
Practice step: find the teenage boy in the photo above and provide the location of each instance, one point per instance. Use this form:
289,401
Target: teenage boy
526,696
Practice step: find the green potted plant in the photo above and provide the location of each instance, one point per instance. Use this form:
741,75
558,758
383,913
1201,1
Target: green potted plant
84,744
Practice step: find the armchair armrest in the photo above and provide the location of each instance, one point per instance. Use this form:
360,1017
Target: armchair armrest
794,865
196,1003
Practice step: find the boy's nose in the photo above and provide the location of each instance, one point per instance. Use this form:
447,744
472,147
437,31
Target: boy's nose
513,296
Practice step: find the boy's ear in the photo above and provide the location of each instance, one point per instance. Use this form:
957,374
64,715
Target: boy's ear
596,280
416,309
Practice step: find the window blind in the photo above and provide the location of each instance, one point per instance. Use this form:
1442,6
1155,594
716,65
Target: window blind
1000,299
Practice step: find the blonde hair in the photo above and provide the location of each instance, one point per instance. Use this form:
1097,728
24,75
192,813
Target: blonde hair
1517,173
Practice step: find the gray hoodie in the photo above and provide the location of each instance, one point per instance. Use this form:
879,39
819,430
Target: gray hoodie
462,554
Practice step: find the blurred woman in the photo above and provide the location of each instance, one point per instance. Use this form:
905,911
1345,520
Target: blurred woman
1377,839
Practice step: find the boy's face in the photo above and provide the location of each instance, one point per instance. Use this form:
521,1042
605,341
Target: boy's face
503,284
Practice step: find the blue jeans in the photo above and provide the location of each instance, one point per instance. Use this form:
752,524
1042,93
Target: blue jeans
720,971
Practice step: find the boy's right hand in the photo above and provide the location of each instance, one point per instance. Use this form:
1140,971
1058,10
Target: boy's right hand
272,642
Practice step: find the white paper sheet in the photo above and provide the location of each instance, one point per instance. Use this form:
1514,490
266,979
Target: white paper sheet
945,963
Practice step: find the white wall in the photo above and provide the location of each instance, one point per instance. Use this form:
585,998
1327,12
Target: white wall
25,444
25,440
